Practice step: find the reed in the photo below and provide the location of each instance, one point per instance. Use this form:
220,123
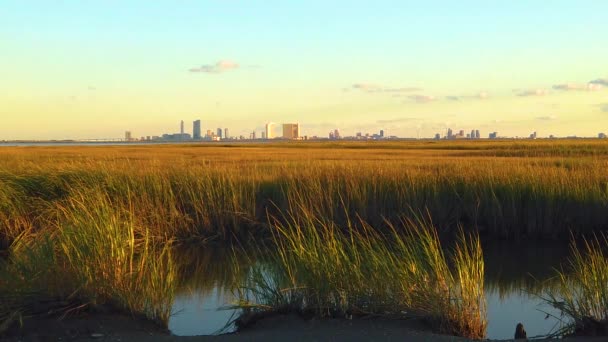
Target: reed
538,190
321,269
582,290
105,218
93,256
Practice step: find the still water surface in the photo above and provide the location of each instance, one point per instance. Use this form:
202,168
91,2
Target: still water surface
512,272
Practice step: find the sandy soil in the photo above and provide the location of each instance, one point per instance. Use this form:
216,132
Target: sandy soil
280,328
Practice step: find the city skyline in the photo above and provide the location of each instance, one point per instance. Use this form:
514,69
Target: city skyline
95,70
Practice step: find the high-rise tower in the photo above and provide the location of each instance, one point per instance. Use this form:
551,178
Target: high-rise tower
291,131
196,130
270,134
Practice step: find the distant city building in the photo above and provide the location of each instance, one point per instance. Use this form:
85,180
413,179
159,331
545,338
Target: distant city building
381,133
219,133
270,130
533,135
291,131
337,134
477,135
181,127
493,135
196,130
437,136
450,133
128,136
176,137
252,135
226,136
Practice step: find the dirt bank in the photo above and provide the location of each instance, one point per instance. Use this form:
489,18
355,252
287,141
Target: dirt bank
280,328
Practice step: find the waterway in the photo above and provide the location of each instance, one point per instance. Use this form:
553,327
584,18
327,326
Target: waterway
513,273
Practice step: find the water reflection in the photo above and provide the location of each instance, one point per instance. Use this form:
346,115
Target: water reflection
513,272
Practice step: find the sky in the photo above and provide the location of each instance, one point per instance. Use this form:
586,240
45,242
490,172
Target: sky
94,69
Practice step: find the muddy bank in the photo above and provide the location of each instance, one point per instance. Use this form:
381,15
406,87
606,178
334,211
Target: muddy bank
291,328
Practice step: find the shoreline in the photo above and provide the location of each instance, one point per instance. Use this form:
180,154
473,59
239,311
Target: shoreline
119,327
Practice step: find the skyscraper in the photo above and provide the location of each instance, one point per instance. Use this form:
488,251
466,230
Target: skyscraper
291,131
181,127
219,133
128,136
196,130
381,133
270,134
226,136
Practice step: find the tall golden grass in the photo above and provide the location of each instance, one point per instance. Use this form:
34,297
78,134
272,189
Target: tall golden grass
105,218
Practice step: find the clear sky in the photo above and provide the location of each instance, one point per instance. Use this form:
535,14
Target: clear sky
93,69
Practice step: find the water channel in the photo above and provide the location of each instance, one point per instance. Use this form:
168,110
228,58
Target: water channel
513,272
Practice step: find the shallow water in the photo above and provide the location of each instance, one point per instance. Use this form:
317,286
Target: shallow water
511,270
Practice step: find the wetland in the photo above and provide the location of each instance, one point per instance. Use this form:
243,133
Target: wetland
470,238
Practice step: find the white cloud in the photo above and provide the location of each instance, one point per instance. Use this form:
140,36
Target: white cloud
422,98
600,81
219,67
573,86
533,92
376,88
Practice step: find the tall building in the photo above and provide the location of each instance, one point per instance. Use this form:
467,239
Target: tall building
128,136
291,131
196,130
493,135
219,133
181,127
381,133
226,136
477,135
270,130
449,133
337,134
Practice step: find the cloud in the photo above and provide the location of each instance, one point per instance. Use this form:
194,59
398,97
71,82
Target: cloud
376,88
219,67
547,118
367,87
573,86
421,98
600,81
395,120
603,107
533,92
479,96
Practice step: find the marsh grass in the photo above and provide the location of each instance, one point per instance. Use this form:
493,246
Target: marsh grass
323,270
98,223
94,256
581,293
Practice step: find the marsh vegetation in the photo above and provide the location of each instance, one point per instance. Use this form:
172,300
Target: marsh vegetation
87,228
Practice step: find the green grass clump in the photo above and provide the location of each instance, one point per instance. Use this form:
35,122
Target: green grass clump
94,256
582,291
326,270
